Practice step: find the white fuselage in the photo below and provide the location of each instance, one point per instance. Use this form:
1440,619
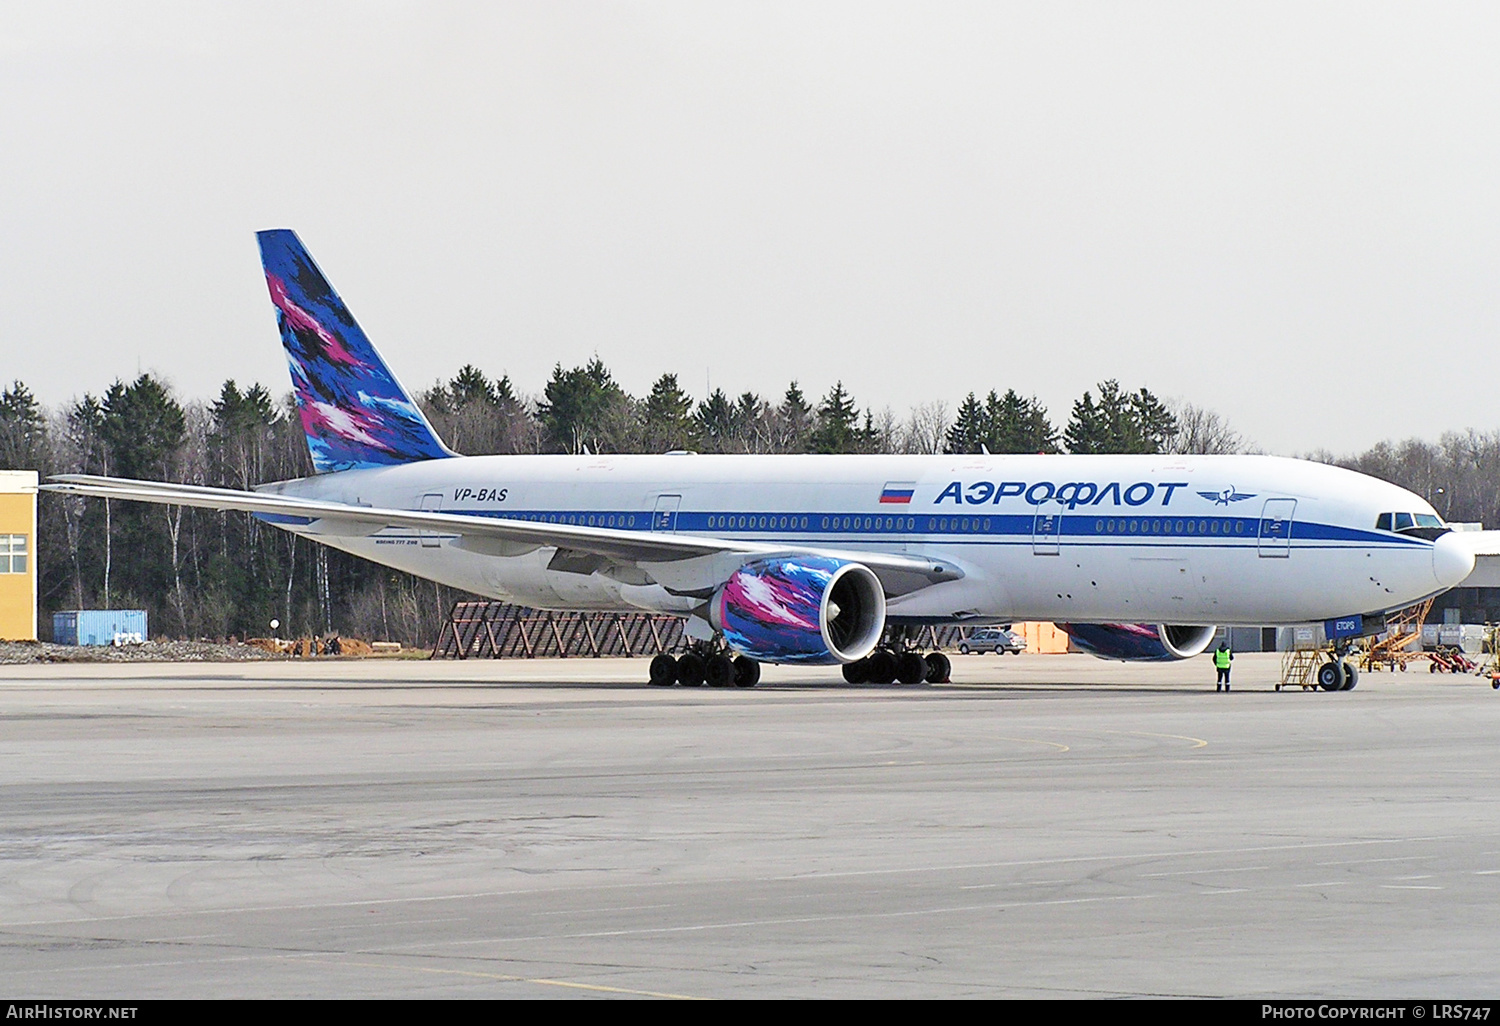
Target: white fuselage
1151,539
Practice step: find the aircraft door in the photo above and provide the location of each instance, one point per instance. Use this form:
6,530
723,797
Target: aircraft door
433,502
1046,528
1275,539
665,517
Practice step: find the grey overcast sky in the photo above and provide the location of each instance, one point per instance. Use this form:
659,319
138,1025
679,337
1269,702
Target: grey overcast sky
1285,212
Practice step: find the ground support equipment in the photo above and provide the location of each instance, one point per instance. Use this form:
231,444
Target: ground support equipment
1318,667
1393,648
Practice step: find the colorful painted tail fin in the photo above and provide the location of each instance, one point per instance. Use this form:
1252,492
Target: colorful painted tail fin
354,411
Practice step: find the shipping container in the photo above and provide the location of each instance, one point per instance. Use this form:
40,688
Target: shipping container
99,626
1466,636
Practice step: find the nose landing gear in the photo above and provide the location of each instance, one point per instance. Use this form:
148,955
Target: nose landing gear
1338,674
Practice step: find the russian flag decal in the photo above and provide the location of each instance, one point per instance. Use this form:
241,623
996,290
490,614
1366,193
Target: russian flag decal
899,492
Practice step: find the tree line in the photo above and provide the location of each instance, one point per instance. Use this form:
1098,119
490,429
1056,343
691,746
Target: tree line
203,573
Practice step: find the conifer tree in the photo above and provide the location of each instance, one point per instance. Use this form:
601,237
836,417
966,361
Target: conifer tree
970,427
23,429
715,417
1120,422
585,409
667,417
838,423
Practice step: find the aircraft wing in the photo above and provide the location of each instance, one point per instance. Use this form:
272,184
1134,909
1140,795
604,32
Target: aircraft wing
898,573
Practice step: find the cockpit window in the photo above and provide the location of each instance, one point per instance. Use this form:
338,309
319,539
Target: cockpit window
1418,525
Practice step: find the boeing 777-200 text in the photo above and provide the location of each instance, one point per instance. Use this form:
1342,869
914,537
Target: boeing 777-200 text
825,559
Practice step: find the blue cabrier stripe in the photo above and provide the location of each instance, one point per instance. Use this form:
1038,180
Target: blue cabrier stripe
994,528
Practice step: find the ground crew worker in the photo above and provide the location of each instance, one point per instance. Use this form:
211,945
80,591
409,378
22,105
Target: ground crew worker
1222,658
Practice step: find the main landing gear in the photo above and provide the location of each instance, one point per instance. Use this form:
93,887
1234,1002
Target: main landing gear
704,664
895,661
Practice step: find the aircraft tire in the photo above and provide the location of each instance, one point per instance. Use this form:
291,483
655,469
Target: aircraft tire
690,669
882,666
746,672
663,671
1330,677
857,672
719,671
939,667
1351,676
911,668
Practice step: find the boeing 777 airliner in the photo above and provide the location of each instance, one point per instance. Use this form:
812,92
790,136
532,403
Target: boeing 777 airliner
826,559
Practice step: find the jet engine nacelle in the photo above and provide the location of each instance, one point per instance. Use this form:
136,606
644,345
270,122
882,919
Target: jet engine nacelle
1140,642
800,609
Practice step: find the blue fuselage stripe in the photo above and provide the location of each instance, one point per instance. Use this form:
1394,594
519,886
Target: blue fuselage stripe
996,528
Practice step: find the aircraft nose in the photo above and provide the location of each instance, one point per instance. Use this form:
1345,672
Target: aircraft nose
1452,560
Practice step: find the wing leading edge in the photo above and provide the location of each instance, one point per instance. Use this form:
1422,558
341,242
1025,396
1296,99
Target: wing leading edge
899,574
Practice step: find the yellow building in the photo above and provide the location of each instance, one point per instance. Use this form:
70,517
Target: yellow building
18,555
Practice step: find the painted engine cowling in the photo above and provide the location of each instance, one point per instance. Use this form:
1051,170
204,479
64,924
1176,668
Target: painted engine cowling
800,609
1140,642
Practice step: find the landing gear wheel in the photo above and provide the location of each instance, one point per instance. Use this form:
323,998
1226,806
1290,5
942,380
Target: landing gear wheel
939,667
746,672
690,670
882,666
1351,676
911,668
719,672
1330,677
857,672
663,671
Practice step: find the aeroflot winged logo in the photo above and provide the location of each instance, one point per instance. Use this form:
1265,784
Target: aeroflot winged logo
1227,496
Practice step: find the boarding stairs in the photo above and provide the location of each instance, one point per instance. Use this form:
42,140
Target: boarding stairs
1400,642
1299,667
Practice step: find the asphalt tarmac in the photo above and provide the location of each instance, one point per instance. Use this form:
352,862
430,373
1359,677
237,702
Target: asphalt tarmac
1047,826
